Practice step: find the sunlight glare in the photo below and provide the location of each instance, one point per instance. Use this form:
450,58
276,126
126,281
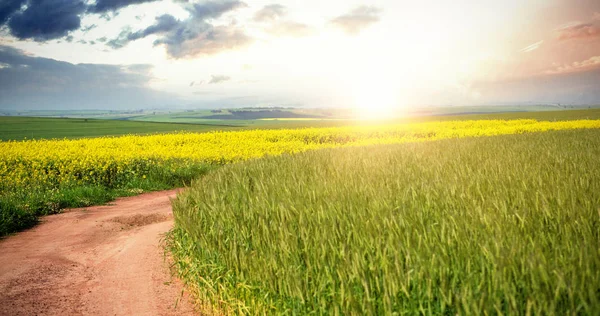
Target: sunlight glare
375,92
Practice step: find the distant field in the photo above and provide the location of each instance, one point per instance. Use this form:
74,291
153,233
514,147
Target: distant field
254,117
323,117
559,115
19,128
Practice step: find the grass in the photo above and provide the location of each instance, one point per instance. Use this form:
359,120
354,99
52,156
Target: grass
559,115
495,225
435,114
20,128
21,208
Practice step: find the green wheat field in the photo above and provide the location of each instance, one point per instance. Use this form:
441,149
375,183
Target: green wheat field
499,225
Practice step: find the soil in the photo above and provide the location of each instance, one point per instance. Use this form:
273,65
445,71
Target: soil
102,260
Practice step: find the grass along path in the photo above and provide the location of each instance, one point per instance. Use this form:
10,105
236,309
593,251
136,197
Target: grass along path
505,224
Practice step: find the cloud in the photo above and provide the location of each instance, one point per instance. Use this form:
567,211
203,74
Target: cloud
43,20
568,25
274,13
358,19
532,47
270,12
28,82
102,6
196,35
218,79
290,28
203,40
8,8
46,19
567,88
213,9
578,66
163,24
88,28
583,30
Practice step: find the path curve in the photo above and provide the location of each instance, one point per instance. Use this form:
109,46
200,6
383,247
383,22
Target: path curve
102,260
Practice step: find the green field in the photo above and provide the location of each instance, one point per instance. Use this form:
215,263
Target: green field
253,118
494,225
20,128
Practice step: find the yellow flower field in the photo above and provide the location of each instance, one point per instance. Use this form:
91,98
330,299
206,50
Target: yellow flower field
105,161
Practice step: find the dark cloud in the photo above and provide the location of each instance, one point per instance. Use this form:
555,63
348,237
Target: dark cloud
46,19
121,40
193,36
585,30
8,7
164,23
270,12
109,15
213,9
88,28
103,6
358,19
218,79
28,82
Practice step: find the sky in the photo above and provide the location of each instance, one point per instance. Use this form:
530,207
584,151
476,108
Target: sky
375,55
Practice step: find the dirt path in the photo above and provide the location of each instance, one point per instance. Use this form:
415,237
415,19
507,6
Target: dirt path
103,260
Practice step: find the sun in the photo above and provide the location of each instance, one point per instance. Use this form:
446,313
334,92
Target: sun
375,97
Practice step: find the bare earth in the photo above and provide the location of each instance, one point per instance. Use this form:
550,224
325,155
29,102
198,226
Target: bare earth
103,260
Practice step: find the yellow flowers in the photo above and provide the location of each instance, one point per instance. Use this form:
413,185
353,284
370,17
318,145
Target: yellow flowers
106,161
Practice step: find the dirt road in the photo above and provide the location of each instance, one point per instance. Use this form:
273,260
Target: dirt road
103,260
